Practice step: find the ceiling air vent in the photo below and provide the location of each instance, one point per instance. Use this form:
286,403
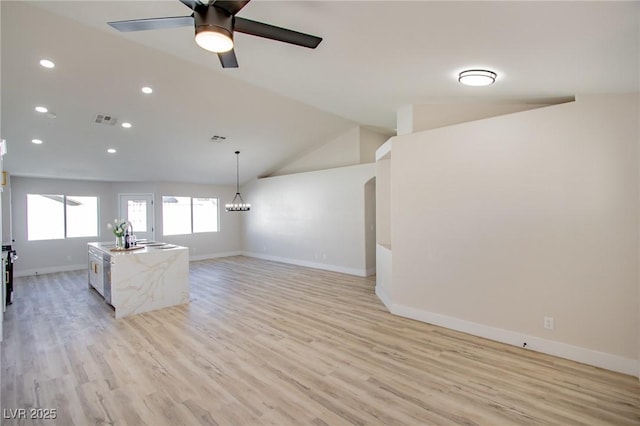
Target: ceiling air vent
105,119
218,138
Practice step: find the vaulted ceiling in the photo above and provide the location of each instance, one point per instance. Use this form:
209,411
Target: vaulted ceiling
283,100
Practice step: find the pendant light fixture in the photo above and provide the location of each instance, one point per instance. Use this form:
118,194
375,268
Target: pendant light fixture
237,204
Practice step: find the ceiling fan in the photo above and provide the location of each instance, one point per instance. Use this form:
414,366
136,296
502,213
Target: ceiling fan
215,22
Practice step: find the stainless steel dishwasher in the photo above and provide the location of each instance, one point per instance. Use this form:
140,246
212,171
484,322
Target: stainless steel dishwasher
106,277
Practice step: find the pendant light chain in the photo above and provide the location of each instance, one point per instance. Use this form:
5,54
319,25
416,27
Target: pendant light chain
237,172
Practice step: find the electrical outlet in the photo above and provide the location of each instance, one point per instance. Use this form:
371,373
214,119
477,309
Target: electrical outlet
548,323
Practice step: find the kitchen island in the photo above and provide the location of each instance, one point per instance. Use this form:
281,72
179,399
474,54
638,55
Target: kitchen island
146,277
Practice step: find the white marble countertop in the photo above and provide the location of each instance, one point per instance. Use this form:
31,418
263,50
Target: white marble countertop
141,248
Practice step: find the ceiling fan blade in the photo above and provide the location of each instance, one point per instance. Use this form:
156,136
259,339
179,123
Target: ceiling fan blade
272,32
191,4
232,7
152,23
228,59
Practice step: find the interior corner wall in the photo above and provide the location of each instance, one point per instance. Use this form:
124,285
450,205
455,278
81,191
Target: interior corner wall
370,141
404,120
521,217
370,225
383,202
314,219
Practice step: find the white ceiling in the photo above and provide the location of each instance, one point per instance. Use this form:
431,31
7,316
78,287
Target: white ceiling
283,100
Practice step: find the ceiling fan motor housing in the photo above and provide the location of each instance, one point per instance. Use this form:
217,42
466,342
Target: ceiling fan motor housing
213,19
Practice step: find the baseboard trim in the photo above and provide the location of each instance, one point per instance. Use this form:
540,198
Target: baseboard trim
48,270
563,350
307,264
384,298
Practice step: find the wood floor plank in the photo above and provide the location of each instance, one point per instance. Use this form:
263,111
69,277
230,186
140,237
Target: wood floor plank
264,343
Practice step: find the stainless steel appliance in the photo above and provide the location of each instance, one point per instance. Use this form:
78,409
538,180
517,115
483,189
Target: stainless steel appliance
10,257
100,272
106,277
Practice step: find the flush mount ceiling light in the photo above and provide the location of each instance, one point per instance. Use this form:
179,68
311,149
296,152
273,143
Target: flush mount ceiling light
147,90
126,125
237,204
477,77
111,150
36,141
42,109
47,63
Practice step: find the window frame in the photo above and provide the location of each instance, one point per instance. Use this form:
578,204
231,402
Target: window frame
191,215
64,202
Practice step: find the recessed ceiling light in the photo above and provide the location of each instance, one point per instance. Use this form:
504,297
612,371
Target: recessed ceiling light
47,63
112,151
126,125
477,77
42,109
36,141
147,90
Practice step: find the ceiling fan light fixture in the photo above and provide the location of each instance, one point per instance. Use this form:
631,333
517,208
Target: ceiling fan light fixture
477,77
214,39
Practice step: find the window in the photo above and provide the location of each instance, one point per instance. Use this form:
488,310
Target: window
53,216
186,215
137,214
82,216
176,215
205,214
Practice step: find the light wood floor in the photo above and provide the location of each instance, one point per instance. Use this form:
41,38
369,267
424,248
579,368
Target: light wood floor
268,343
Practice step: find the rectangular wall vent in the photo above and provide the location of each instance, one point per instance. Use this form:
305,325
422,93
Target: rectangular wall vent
218,138
105,119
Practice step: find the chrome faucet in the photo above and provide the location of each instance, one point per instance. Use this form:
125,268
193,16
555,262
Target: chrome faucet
128,238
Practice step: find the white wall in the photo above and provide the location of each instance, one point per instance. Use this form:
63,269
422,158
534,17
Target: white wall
342,151
358,145
315,219
500,222
69,254
421,117
370,141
